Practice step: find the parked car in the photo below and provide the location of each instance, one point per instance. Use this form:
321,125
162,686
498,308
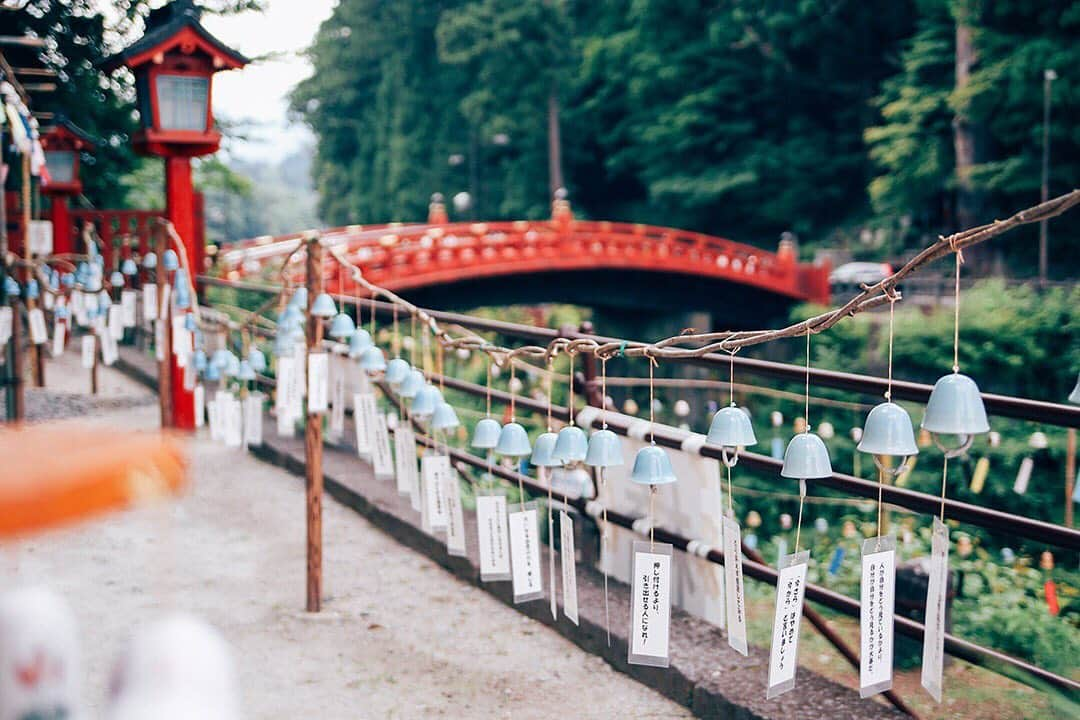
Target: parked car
849,277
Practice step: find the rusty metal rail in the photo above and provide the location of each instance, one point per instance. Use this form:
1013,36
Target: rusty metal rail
1049,533
668,437
1001,405
957,647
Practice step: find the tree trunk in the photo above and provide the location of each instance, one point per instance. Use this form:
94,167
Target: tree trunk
966,147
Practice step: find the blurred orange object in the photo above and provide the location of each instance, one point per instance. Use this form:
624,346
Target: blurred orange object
59,474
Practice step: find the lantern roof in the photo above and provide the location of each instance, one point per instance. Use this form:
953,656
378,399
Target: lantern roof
64,129
175,25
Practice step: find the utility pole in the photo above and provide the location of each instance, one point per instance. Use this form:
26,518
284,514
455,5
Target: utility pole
555,174
474,173
1049,76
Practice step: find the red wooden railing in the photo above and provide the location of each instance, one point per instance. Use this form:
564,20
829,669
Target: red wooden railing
130,228
122,231
407,256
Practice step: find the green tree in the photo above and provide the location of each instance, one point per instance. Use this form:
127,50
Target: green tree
516,56
384,110
1002,103
741,118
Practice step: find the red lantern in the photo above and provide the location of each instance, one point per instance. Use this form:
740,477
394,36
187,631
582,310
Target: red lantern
174,64
63,143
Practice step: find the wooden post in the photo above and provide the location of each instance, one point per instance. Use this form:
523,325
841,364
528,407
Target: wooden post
17,409
94,374
37,361
164,366
1070,474
313,436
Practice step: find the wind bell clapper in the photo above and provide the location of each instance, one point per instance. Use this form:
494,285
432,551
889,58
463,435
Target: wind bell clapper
1074,396
445,417
731,430
888,432
956,408
543,453
605,450
412,384
396,371
571,445
513,441
486,434
359,342
170,260
652,466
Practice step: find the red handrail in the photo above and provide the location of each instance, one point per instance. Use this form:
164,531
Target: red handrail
407,256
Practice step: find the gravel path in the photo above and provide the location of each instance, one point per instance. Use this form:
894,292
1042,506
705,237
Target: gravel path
67,388
399,637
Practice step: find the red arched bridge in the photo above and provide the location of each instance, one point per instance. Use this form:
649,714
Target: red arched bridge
597,263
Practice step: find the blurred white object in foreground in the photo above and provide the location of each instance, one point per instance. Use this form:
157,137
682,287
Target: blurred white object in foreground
177,668
40,670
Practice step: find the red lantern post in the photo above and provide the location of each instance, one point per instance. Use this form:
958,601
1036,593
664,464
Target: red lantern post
174,65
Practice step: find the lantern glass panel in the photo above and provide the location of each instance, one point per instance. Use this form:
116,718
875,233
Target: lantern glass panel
61,165
182,102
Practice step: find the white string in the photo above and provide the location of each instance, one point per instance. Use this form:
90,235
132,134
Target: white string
806,414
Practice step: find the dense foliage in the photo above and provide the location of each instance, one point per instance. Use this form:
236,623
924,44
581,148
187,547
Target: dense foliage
834,119
79,37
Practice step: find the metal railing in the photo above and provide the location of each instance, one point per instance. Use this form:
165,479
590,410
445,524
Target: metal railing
1020,408
1001,405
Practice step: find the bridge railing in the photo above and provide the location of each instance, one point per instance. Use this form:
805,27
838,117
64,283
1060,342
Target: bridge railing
401,255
